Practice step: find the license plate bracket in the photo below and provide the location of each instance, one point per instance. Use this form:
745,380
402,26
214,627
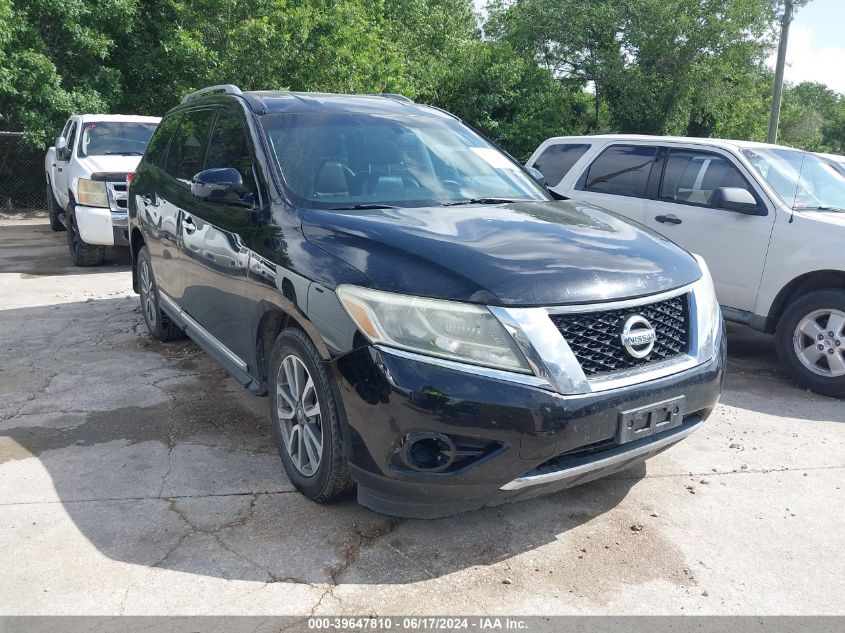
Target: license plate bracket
641,422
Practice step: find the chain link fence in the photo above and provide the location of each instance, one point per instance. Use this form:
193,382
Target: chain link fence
22,183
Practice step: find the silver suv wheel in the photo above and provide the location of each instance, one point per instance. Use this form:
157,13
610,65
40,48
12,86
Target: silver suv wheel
819,342
300,421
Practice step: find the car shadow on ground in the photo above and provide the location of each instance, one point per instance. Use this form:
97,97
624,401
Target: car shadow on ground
37,250
756,382
159,459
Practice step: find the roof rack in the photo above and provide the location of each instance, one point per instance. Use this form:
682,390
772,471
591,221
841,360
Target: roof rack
224,88
391,95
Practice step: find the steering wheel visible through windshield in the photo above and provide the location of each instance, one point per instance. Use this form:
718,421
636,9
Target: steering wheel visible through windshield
331,160
802,180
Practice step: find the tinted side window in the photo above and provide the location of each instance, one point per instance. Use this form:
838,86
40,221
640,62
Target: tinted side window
622,170
157,148
692,177
229,147
556,160
187,148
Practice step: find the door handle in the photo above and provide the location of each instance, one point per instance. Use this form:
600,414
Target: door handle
669,219
189,225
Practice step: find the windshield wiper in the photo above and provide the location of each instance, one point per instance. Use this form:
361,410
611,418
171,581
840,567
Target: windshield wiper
822,207
363,207
119,154
477,201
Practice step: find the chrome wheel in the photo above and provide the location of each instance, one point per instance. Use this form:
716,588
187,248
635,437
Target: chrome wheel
819,342
148,303
300,421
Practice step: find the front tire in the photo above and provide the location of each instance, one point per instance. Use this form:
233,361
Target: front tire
810,341
306,424
161,327
82,253
53,211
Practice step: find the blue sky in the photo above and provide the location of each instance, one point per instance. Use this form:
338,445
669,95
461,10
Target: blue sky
816,49
816,44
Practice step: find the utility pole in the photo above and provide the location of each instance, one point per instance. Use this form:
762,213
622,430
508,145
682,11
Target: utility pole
774,117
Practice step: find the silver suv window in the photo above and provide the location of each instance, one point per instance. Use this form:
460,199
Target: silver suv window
692,177
623,170
556,160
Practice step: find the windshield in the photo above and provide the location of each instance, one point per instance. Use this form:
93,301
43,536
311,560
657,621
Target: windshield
351,159
100,138
802,180
838,165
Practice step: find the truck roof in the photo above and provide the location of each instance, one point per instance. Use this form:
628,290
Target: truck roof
126,118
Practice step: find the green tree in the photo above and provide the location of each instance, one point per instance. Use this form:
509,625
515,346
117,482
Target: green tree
433,36
663,66
811,117
331,45
54,59
511,99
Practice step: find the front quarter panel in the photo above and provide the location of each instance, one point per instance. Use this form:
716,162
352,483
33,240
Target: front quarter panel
287,273
811,242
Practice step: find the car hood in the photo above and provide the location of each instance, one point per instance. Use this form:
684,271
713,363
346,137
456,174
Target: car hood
111,163
522,253
828,217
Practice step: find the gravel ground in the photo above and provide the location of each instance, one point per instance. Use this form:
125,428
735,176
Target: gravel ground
136,477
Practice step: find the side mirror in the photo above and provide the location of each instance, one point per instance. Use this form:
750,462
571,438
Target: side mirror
537,175
223,185
736,199
62,150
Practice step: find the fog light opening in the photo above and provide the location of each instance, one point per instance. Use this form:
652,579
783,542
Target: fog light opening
428,452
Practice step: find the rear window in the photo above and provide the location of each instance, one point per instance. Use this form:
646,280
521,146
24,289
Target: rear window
556,160
622,170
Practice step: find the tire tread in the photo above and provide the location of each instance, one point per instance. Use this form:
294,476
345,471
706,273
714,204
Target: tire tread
165,330
339,480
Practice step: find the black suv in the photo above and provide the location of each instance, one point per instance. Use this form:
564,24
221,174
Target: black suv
428,322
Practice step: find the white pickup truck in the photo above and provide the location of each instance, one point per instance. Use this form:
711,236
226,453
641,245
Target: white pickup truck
86,180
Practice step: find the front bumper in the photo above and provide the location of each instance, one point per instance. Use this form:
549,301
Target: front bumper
525,440
102,226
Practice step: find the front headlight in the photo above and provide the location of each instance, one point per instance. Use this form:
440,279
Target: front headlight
92,193
458,331
708,313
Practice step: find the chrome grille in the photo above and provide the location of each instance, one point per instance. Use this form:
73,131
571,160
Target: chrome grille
117,196
594,337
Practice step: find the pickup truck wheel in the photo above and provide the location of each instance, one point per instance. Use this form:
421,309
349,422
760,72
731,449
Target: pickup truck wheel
161,327
53,211
306,424
811,341
82,253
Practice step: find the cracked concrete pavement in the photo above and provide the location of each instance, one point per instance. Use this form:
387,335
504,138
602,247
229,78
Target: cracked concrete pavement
137,478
